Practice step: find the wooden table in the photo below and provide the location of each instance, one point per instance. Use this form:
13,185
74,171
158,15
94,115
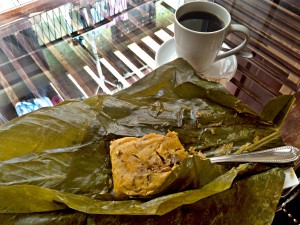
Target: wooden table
40,46
275,41
290,130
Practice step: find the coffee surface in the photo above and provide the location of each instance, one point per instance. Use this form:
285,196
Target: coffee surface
201,21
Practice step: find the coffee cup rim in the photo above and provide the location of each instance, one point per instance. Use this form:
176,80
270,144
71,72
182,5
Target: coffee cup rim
203,2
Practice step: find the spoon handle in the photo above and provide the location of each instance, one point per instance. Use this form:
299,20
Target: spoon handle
284,154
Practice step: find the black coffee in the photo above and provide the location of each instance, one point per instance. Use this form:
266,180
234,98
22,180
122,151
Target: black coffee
201,21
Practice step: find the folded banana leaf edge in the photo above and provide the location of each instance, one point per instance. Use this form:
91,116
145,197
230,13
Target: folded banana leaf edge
55,163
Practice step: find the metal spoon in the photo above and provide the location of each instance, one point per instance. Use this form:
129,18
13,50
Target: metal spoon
284,154
246,55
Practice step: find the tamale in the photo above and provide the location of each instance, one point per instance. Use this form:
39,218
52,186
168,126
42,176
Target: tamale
140,165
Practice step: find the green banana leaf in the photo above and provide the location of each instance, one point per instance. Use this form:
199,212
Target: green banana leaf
217,209
56,165
46,129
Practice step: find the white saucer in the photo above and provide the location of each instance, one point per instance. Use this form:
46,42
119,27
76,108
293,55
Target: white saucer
223,69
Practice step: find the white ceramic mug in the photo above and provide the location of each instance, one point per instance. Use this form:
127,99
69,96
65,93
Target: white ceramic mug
201,49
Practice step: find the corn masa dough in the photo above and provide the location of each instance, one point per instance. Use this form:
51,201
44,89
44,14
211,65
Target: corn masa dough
140,165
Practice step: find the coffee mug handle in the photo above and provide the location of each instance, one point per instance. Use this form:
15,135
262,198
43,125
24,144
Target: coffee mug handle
236,28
